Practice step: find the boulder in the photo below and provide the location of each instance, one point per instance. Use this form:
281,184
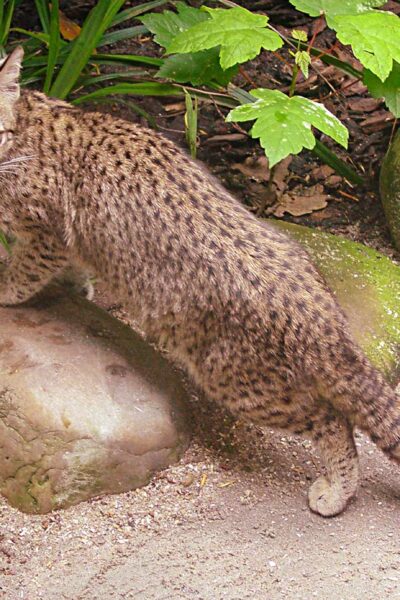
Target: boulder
367,286
390,188
86,406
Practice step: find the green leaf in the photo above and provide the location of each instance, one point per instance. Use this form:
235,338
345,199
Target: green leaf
374,38
299,34
96,23
303,61
197,68
333,8
167,25
240,34
283,124
389,89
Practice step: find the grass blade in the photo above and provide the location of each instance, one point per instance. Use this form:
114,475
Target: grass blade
40,36
121,34
191,122
54,45
147,88
87,80
131,13
126,59
4,242
42,8
6,21
332,159
96,23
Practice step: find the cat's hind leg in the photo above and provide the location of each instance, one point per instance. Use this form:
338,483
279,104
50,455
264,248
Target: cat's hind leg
333,435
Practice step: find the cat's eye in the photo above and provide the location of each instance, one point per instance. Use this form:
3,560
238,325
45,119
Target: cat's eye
5,136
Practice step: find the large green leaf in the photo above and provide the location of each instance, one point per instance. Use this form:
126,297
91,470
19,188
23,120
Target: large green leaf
167,25
389,89
374,38
333,8
196,68
239,33
96,23
283,124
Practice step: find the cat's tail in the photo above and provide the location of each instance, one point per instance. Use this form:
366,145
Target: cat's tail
360,391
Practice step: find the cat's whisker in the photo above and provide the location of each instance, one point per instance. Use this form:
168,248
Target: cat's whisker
18,159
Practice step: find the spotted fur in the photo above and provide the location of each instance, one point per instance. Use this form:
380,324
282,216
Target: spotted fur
237,303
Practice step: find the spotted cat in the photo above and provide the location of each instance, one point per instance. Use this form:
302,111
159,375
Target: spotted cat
237,303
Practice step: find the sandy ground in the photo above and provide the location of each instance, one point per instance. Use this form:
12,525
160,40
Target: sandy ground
229,521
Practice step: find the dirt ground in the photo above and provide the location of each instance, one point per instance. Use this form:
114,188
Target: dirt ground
230,521
213,528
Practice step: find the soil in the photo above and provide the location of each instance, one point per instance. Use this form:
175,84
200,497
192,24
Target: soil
230,521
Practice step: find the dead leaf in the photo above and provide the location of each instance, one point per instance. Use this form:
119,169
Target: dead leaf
281,174
333,181
229,137
364,104
322,172
174,106
255,167
378,121
302,203
68,29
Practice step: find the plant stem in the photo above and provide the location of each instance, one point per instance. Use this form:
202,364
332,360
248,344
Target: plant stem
294,80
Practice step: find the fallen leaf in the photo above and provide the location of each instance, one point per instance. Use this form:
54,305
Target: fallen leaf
322,172
281,174
333,181
68,29
255,167
229,137
363,104
302,203
174,106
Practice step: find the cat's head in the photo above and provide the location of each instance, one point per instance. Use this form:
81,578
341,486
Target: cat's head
9,94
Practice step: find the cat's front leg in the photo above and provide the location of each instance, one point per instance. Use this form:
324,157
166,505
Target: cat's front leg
32,266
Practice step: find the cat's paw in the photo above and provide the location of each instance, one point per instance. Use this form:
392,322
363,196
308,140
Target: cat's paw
327,499
78,281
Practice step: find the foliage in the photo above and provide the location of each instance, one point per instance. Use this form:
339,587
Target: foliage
195,67
65,64
283,124
238,33
205,47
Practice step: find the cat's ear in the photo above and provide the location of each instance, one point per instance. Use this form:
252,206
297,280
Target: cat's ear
9,75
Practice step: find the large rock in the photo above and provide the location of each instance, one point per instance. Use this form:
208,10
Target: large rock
86,407
390,188
367,286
